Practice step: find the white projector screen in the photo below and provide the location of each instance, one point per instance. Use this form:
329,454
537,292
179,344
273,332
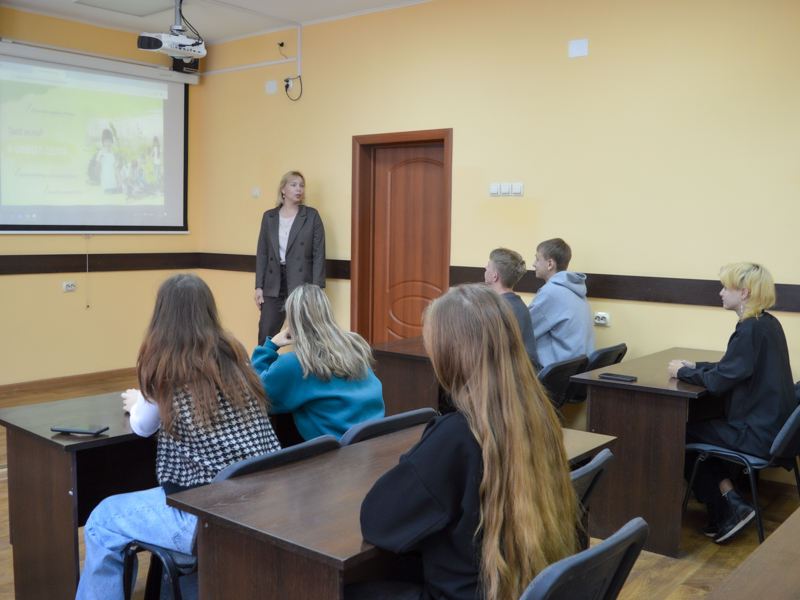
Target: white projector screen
84,150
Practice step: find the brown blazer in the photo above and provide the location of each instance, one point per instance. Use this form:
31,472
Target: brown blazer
305,254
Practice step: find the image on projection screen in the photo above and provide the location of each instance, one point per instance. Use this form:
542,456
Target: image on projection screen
84,149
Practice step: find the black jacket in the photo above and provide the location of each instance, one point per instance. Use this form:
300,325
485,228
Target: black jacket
430,503
756,379
523,316
305,252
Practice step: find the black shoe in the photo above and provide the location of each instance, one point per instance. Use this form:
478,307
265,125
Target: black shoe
734,515
712,528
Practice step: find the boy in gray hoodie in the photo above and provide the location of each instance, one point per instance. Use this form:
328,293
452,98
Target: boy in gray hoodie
561,315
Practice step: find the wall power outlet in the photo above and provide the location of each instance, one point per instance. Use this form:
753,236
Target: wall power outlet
602,319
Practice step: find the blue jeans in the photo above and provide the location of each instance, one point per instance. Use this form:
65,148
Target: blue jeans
118,520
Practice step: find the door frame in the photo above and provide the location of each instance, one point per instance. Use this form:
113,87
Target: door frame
363,211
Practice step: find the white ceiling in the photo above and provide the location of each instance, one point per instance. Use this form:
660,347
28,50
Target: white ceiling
216,20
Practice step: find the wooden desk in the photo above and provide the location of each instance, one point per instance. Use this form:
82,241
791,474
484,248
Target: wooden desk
293,533
770,571
55,480
407,376
649,419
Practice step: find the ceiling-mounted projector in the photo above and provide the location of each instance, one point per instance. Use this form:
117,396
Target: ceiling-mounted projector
175,44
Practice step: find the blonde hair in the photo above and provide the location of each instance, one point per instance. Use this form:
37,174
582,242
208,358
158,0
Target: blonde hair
284,180
528,503
753,278
321,346
510,266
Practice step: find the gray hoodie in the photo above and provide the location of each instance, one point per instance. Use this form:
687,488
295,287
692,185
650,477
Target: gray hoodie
562,318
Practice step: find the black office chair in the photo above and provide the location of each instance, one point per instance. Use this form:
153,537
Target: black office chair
585,480
604,357
174,564
784,452
378,427
555,378
594,574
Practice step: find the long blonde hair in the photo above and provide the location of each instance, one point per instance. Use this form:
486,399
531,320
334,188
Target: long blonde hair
321,346
754,278
186,348
528,503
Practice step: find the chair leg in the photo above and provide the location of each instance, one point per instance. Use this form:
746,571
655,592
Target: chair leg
128,564
796,475
152,590
700,456
754,490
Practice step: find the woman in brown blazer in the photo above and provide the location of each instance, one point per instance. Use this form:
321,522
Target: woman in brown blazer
291,251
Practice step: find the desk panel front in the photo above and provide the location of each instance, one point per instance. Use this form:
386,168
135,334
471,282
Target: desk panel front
407,376
648,418
56,480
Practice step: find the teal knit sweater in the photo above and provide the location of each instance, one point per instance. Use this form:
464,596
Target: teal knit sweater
318,407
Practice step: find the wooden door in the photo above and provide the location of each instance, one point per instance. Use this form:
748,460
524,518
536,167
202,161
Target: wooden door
408,242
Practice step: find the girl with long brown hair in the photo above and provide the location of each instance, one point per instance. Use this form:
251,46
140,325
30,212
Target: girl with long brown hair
203,397
485,496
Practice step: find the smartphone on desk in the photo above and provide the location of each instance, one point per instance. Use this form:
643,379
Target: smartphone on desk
618,377
80,428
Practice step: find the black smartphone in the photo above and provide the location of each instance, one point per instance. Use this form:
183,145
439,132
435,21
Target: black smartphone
617,377
83,428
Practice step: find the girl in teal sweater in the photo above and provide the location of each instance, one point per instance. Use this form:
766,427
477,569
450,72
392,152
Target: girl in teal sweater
326,382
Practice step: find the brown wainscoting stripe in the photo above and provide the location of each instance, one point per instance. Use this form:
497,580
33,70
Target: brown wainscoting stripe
695,292
337,269
169,261
227,262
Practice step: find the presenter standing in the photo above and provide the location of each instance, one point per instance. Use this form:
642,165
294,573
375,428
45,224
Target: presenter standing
291,251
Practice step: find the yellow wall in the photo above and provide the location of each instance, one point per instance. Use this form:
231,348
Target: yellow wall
669,151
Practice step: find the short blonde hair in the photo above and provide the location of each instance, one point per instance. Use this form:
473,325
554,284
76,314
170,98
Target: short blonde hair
510,266
753,278
284,180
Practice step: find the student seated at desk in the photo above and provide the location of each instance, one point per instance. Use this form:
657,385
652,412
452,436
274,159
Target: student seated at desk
561,315
756,379
327,381
210,410
485,496
504,270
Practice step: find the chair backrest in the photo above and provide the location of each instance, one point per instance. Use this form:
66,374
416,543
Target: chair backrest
586,478
787,442
555,378
603,357
319,445
378,427
594,574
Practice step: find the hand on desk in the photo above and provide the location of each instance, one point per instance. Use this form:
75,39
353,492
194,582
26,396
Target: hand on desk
677,365
129,399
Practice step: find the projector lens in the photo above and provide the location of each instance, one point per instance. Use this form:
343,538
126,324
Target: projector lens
148,43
